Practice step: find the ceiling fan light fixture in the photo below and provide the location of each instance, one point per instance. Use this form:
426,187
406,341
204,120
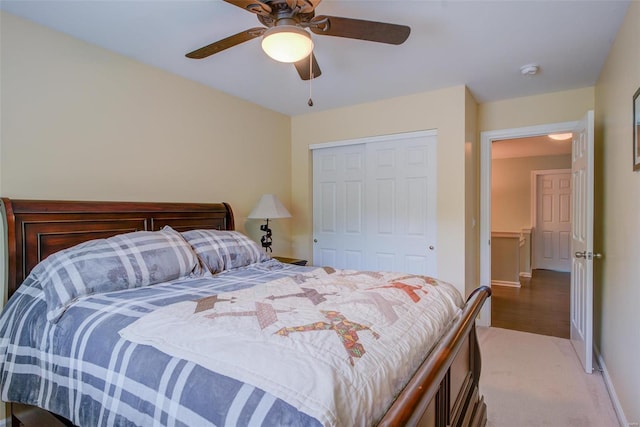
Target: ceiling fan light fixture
287,43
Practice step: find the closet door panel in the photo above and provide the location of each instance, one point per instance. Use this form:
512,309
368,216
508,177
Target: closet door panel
402,204
338,200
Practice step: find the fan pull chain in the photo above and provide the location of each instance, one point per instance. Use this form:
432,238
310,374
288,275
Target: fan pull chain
310,102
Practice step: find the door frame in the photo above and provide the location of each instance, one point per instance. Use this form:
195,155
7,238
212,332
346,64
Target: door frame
534,205
486,138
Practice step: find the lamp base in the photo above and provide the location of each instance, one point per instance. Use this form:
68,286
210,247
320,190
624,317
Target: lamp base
266,239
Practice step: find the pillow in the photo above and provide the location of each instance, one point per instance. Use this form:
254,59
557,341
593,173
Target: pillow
223,250
124,261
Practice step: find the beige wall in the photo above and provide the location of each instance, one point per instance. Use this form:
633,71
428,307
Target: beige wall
472,194
511,189
80,122
443,110
618,209
555,107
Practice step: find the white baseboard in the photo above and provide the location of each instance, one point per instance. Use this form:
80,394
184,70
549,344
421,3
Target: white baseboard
505,283
622,419
525,274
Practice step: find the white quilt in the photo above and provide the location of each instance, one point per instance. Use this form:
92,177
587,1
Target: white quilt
337,345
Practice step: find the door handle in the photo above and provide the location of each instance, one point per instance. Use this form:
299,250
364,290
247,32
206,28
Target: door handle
588,255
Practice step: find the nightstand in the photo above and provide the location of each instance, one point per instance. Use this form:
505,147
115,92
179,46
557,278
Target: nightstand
291,260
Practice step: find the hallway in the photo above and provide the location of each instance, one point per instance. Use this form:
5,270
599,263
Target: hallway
540,306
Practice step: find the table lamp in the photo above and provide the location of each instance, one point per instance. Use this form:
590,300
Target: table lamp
269,207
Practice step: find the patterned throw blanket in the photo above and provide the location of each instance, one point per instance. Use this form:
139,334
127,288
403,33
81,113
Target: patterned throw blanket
336,345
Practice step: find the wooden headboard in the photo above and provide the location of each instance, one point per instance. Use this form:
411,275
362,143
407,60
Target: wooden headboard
37,228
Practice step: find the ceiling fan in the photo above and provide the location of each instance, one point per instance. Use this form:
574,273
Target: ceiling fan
288,19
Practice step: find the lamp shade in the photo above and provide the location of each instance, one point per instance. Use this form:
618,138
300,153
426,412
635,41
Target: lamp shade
287,43
269,207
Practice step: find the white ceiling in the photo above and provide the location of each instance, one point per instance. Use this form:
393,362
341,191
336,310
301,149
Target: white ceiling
478,43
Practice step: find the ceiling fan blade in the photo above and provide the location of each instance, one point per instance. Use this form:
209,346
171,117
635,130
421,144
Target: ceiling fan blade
381,32
223,44
303,67
254,6
303,6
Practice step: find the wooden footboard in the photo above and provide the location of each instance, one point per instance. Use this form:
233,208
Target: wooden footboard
444,390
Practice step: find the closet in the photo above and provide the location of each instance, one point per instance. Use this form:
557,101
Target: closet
374,203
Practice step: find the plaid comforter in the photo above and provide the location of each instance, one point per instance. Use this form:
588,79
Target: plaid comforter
81,369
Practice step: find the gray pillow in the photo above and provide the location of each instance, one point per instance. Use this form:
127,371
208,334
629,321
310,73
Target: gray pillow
221,250
124,261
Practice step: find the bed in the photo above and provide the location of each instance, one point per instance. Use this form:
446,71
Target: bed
160,387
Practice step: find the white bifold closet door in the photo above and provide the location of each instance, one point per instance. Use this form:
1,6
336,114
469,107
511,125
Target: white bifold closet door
374,204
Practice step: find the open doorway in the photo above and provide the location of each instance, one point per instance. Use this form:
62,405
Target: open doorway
531,234
530,150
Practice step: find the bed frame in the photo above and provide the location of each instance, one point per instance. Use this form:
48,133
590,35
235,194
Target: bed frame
442,392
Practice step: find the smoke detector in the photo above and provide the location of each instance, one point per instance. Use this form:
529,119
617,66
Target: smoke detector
529,69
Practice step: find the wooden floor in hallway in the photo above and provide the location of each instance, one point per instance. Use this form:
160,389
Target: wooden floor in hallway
541,305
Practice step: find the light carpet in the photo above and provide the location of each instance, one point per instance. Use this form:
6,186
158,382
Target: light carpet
537,380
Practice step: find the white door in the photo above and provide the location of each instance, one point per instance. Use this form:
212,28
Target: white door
401,206
374,204
582,242
339,176
552,232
